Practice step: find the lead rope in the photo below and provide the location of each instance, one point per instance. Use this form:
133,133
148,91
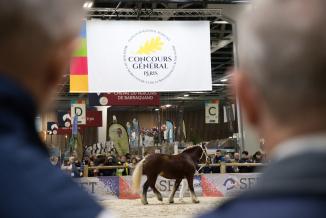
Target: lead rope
202,154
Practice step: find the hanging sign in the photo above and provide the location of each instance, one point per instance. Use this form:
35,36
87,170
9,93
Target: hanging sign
54,129
150,56
211,112
78,109
93,119
125,99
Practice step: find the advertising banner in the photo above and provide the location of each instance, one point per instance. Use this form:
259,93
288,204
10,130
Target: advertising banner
118,135
151,56
209,185
211,113
93,119
78,108
54,129
125,99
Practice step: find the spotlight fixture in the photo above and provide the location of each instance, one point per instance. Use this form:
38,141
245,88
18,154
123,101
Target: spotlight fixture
220,22
88,4
219,85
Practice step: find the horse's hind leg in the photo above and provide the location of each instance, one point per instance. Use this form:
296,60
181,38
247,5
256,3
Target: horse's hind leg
175,188
190,180
144,195
156,192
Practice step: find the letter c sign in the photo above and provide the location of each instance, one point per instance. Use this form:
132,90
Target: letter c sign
212,111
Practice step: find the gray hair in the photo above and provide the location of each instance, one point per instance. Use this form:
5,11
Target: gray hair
30,27
282,48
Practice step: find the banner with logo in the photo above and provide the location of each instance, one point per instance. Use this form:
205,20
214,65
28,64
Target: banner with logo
118,135
211,112
54,129
78,109
209,185
152,56
229,113
93,119
124,99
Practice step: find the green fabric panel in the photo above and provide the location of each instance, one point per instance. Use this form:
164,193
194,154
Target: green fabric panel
82,50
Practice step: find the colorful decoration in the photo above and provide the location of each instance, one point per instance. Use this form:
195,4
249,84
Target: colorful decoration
79,66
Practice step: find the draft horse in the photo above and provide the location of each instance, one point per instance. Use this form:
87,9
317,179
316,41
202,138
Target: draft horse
176,167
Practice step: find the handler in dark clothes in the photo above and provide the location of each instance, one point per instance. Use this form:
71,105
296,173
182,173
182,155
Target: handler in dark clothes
281,84
36,42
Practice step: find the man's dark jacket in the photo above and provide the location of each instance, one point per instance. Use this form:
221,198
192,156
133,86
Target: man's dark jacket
294,187
30,185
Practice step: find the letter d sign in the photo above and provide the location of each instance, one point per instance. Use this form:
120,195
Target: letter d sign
79,110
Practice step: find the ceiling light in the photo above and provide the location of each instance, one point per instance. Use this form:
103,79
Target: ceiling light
217,85
186,95
197,92
168,105
88,4
241,1
220,22
157,109
224,80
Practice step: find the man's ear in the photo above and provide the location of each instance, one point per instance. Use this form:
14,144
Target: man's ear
250,102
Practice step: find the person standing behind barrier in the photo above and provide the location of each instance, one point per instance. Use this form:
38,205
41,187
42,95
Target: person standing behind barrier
245,159
236,160
37,40
227,159
217,159
281,88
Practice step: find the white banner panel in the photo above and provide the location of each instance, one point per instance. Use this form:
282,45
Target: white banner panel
148,56
211,113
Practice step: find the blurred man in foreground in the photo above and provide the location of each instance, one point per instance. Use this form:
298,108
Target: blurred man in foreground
281,84
36,42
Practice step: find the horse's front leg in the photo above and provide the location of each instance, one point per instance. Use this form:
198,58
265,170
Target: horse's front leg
175,188
144,195
190,180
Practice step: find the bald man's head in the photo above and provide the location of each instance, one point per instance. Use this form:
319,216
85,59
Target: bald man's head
36,41
282,48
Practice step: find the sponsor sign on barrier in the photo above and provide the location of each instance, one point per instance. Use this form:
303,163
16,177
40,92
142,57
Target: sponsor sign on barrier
209,185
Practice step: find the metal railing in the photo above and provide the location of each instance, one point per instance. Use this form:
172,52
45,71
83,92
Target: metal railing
222,166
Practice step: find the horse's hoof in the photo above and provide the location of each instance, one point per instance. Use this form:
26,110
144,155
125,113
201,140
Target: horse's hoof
195,201
171,201
144,202
160,198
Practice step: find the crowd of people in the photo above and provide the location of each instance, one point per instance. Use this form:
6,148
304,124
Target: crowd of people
257,157
75,168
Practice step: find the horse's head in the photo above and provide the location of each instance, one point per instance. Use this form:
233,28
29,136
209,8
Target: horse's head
198,153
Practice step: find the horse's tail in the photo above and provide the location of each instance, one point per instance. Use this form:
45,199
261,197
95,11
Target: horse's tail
136,176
